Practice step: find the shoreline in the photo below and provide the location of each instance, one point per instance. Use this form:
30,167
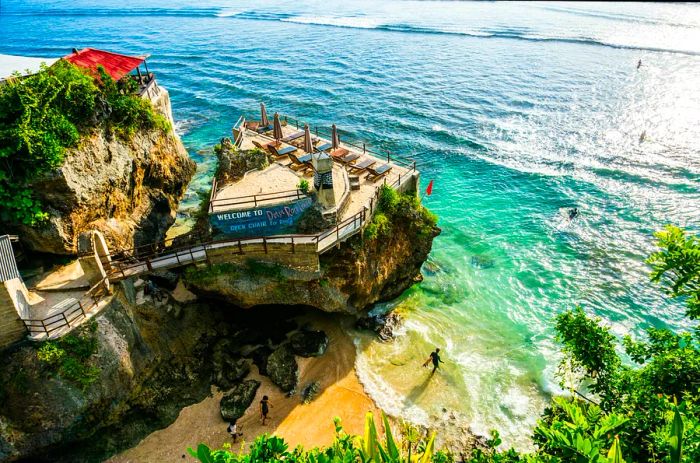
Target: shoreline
310,425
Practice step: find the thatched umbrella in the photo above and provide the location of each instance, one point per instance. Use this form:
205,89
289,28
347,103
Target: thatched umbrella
308,146
264,122
335,139
277,128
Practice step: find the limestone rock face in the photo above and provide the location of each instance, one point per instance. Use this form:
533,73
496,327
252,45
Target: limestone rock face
353,277
127,189
234,404
233,164
149,365
282,368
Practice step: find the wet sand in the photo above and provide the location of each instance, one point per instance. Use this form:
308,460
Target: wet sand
310,424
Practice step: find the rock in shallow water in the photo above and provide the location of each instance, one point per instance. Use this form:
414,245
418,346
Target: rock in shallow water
234,404
308,343
384,325
282,368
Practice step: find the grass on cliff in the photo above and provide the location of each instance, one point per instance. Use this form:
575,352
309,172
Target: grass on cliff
393,207
69,357
43,115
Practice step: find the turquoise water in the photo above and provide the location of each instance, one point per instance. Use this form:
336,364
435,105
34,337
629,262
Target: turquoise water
515,110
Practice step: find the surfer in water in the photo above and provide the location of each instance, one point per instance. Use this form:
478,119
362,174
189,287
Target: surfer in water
435,359
573,212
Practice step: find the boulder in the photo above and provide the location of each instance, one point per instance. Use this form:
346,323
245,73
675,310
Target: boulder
282,368
383,324
308,343
234,404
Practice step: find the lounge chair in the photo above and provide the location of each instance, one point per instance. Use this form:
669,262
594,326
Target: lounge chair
293,136
300,162
362,165
280,151
349,158
275,149
379,172
323,146
338,153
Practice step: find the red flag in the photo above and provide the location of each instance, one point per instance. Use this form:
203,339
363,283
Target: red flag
429,190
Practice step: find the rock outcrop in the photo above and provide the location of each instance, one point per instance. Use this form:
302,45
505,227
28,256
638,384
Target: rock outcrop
308,343
128,189
235,403
361,272
130,371
282,368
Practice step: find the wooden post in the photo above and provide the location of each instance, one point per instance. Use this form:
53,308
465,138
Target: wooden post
265,244
293,250
364,148
240,249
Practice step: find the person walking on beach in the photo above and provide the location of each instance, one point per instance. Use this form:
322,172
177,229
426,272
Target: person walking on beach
234,430
435,358
639,64
264,409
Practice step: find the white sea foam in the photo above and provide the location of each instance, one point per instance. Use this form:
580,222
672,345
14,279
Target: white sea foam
228,13
356,22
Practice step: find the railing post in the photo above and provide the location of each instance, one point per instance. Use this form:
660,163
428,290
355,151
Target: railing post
293,250
240,248
265,244
80,304
45,329
148,265
65,319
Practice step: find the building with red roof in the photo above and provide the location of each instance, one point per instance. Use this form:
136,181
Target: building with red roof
117,66
114,64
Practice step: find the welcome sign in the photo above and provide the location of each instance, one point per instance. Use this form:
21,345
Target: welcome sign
262,221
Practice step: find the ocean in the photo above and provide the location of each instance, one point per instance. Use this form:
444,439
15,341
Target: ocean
517,111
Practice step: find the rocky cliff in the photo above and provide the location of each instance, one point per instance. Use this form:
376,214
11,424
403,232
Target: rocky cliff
366,269
111,382
128,188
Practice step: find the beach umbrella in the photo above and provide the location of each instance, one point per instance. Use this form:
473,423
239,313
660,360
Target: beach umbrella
277,128
308,146
263,116
335,139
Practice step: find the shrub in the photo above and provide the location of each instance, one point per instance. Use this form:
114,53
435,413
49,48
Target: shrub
44,114
70,356
303,185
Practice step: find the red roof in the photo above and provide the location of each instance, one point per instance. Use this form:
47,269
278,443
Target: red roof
115,65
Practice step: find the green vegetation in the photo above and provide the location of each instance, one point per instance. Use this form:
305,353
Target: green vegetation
43,115
264,269
70,356
644,412
303,185
345,448
394,207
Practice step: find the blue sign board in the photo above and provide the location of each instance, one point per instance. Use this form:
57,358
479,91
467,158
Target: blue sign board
261,221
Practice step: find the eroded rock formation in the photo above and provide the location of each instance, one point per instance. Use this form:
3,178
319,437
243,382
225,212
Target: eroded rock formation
127,189
353,277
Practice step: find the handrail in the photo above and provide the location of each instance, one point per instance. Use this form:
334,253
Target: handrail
403,161
68,315
256,198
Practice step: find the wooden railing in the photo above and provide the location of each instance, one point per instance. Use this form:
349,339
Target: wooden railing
126,264
256,199
402,161
68,316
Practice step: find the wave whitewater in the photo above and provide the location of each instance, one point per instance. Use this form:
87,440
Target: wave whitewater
352,22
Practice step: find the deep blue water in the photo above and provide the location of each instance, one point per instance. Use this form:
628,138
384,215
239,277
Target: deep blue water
515,110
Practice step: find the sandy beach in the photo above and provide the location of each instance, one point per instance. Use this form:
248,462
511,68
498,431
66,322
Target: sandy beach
309,425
